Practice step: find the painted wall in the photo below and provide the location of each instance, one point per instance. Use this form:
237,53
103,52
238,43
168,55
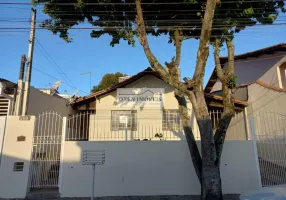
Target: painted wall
273,75
13,184
252,69
152,168
262,99
2,130
40,102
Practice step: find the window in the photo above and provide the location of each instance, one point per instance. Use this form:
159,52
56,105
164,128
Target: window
171,120
18,166
122,118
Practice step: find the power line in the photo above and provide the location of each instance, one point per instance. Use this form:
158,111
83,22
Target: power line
245,19
128,28
152,3
64,75
58,79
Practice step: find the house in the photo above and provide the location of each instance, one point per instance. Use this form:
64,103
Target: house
138,108
52,152
40,100
261,80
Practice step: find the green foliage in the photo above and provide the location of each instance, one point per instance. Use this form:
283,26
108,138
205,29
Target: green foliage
107,80
231,83
117,18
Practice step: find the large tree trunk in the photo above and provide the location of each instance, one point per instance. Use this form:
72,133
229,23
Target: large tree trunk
211,183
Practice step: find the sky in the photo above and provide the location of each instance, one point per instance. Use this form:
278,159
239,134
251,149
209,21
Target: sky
58,60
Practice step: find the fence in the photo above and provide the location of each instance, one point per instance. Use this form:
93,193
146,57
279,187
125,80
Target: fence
270,131
237,129
120,125
45,159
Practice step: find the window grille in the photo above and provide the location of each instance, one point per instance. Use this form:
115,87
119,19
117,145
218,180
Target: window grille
118,120
171,120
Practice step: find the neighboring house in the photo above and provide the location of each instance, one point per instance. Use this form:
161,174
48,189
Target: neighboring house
261,79
118,114
7,96
40,101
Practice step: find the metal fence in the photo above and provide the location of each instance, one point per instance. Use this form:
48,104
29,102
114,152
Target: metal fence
46,152
238,127
122,125
270,131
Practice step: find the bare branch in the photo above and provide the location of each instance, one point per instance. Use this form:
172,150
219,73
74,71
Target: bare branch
144,41
230,64
203,51
178,44
228,102
172,80
218,67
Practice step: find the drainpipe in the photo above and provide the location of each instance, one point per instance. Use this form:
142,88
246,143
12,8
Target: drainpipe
19,96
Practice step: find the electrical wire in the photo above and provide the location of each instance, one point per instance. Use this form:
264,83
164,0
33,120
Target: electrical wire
152,3
55,64
57,79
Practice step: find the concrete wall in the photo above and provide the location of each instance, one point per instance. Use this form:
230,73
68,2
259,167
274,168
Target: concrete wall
40,102
13,184
152,168
252,69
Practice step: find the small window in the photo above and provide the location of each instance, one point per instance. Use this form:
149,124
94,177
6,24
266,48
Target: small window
122,119
18,166
171,120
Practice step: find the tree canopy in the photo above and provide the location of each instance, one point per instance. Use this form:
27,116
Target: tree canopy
214,21
117,17
108,80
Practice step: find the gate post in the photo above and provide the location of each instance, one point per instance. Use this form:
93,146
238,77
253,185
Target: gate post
252,127
64,130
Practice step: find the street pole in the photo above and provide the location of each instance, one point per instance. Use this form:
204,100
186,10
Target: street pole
29,63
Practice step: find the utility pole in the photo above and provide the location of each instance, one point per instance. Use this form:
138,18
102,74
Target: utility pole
85,73
18,104
29,64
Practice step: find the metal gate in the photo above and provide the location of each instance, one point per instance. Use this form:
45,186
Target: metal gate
46,153
269,130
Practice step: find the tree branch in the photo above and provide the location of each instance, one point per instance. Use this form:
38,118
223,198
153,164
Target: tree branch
228,102
230,64
167,77
178,44
203,50
218,67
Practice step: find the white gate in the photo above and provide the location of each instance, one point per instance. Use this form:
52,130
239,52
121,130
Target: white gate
269,129
46,153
